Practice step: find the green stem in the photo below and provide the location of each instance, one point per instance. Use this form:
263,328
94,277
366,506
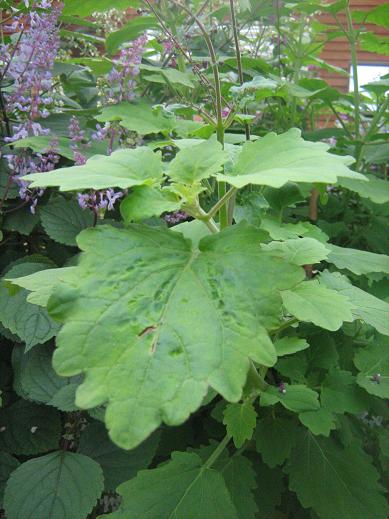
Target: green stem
373,126
217,452
285,325
354,64
219,204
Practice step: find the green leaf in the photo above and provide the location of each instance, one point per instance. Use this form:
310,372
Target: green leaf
7,465
44,143
87,7
123,169
28,428
147,201
275,439
21,221
118,465
318,422
64,219
297,397
275,160
34,376
175,489
373,365
312,302
269,491
358,261
286,231
302,251
365,306
42,283
167,321
28,321
239,477
130,31
137,117
376,189
340,394
240,420
288,345
168,75
197,162
335,482
59,485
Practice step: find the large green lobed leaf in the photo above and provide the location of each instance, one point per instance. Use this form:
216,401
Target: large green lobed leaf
153,323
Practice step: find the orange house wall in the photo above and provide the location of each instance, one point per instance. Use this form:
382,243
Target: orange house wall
337,52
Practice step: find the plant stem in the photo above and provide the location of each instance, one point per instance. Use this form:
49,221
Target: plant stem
217,452
285,325
238,57
354,64
230,193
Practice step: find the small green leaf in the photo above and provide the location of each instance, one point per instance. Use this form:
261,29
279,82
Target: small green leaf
137,117
340,394
240,420
275,160
312,302
129,32
124,168
118,465
364,305
174,489
297,397
373,365
197,162
357,261
318,422
275,439
288,345
59,485
168,75
28,428
64,219
302,251
42,283
147,201
31,323
376,189
335,482
43,143
87,7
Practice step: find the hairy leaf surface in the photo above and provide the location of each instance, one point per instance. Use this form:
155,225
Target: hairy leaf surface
153,323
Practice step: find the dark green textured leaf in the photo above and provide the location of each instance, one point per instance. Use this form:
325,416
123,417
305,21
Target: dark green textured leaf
275,439
59,485
297,398
34,374
335,482
118,465
161,332
318,422
340,394
182,488
28,321
373,365
64,219
240,420
269,491
7,465
239,477
27,428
